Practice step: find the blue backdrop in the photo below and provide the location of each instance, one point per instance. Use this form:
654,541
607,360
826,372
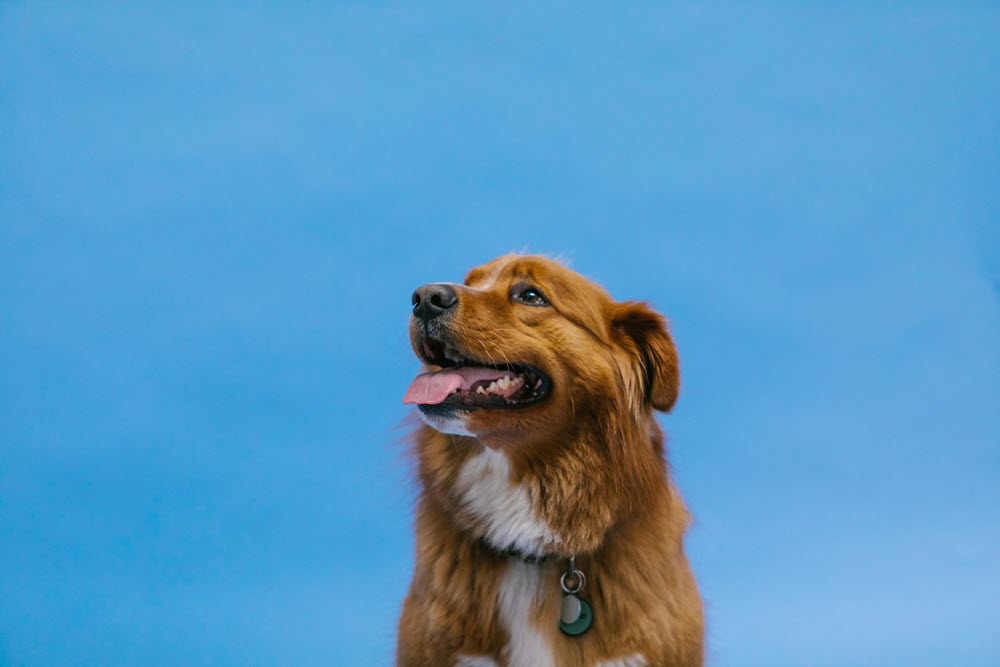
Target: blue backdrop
211,220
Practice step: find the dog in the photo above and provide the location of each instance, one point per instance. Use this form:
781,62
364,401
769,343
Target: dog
549,533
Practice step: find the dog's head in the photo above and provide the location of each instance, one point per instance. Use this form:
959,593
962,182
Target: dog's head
526,347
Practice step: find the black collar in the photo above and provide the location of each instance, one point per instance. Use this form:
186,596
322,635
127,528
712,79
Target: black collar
515,552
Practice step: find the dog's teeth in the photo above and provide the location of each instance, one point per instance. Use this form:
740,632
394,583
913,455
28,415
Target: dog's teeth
492,387
480,390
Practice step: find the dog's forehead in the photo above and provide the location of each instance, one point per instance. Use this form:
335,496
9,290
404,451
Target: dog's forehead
492,272
541,271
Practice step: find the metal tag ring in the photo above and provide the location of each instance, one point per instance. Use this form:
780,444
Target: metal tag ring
580,578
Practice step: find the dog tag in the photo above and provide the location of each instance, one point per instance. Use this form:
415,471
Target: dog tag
570,609
583,620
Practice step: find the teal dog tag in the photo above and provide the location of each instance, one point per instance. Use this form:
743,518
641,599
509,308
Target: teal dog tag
584,618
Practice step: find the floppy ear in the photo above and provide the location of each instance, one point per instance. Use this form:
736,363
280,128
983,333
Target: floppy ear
648,342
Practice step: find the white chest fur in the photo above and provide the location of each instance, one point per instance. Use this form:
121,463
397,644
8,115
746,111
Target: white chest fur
634,660
520,588
504,509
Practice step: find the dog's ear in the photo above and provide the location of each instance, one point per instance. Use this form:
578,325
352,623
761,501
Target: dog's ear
643,333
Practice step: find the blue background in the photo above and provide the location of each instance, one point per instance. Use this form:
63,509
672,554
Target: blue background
211,220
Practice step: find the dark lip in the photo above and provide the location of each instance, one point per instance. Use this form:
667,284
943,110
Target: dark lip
431,350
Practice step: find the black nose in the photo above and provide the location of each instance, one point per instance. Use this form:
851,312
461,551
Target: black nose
433,300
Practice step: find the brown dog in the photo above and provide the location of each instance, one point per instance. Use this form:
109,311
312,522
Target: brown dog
541,446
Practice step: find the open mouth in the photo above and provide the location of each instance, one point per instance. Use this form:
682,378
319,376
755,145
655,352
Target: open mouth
468,384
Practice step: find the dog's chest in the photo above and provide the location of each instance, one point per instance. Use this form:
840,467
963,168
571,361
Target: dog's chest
503,510
508,519
519,598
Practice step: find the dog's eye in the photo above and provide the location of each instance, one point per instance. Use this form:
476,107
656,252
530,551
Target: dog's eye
531,296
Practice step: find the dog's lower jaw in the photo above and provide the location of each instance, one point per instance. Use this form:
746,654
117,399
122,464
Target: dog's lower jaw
451,424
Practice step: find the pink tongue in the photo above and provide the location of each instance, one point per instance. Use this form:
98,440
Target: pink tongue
432,388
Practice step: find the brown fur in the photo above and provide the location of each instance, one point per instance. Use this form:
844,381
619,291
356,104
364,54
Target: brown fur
592,459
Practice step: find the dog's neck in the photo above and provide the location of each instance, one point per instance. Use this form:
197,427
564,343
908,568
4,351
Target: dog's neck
559,506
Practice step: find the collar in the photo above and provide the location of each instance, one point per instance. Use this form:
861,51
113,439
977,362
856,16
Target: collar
516,553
